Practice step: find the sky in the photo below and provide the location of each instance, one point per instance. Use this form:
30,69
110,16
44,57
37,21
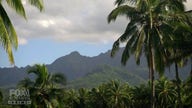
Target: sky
63,27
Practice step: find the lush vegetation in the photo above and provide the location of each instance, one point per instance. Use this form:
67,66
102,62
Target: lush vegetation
104,74
49,91
159,29
8,35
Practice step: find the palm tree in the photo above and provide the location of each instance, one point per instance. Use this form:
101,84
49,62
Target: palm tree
141,96
180,50
99,96
166,93
186,92
83,96
26,83
8,36
151,24
1,96
191,67
71,99
119,95
44,90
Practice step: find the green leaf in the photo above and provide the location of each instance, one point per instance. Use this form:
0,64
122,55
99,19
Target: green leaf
130,30
115,48
129,11
5,38
59,78
17,6
125,55
5,42
121,2
139,47
37,3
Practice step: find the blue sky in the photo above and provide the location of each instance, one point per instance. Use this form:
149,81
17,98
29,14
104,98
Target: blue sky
64,26
43,50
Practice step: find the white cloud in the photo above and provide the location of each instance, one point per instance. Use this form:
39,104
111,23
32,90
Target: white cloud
46,23
188,4
22,41
68,20
24,2
72,20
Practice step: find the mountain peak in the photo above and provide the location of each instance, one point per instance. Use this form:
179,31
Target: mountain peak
75,53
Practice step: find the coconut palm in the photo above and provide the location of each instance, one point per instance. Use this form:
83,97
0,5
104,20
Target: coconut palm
166,93
119,95
44,90
99,96
180,50
141,96
187,93
26,83
191,67
83,98
8,36
71,99
151,24
1,96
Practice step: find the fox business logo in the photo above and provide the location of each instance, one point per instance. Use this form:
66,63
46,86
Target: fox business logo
19,97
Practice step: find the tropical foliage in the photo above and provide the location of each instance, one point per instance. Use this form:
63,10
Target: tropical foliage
153,28
115,94
104,74
8,35
159,29
111,94
46,90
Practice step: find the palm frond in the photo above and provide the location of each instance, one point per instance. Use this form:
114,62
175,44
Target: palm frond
59,78
189,11
9,27
37,3
42,74
130,30
140,45
115,48
27,83
8,33
17,6
174,5
129,11
126,54
4,36
121,2
142,5
159,61
128,48
1,96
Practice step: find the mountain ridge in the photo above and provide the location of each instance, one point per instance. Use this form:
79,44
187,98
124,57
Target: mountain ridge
76,66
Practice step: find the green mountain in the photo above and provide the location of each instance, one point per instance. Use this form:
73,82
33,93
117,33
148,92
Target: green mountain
103,74
83,70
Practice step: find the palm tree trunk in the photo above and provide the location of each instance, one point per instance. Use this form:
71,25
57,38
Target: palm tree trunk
191,68
178,81
152,77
